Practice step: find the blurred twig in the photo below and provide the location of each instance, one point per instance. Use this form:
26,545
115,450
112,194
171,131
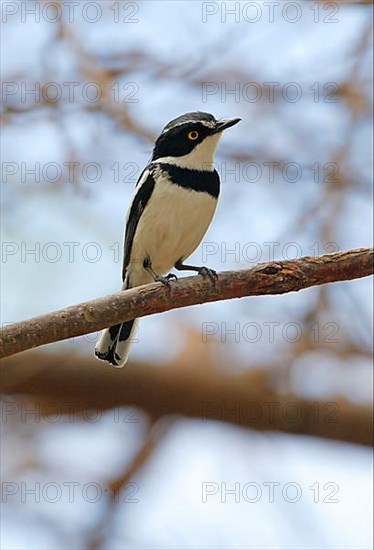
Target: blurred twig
104,526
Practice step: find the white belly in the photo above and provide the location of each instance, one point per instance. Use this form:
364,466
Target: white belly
171,227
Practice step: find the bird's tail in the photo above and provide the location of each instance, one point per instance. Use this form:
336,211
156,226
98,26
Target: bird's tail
114,343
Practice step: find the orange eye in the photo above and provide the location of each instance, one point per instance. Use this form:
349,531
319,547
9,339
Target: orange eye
193,135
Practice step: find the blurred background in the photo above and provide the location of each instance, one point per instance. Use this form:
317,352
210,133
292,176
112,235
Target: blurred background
86,89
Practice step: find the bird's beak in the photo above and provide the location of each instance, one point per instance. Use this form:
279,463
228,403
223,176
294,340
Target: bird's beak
224,124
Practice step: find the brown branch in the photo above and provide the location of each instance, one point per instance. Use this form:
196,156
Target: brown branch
271,278
72,385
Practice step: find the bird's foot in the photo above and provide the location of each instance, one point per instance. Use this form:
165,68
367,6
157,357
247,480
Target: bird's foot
207,272
171,276
166,279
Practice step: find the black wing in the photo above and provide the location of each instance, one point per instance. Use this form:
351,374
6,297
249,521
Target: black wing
138,205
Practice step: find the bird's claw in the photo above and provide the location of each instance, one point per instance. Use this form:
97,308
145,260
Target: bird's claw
166,280
207,272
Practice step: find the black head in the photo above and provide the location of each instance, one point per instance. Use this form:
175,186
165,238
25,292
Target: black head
182,135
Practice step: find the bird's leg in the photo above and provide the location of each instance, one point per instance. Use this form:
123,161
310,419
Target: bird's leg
203,271
147,264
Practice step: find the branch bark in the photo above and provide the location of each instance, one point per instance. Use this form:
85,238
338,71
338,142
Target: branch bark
276,277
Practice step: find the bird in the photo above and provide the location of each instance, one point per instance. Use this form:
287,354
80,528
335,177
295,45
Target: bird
172,207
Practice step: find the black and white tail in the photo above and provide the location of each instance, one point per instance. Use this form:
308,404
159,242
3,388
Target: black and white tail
115,342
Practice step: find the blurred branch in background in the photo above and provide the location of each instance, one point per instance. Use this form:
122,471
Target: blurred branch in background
265,279
72,383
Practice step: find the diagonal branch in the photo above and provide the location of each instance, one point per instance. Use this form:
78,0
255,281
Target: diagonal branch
278,277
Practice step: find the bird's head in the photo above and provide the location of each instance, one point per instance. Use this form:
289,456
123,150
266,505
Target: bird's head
189,141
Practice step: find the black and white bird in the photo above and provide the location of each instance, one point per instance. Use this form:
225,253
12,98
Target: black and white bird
174,202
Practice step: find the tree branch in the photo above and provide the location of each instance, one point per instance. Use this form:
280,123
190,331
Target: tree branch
276,277
73,385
